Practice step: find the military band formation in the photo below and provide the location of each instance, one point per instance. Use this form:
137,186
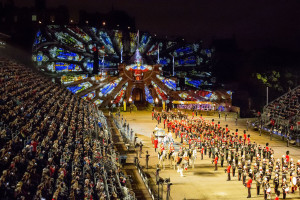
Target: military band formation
241,157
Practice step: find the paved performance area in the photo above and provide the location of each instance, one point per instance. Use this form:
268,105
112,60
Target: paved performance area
203,182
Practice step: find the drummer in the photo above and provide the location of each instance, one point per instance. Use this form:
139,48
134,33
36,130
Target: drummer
285,188
294,182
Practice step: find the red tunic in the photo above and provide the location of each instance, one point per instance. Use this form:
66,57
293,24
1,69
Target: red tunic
287,158
228,169
249,183
155,143
216,160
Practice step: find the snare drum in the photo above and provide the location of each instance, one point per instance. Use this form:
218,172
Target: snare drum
268,190
287,189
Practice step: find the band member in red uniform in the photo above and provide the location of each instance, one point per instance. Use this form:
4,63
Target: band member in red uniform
249,183
155,143
228,172
216,163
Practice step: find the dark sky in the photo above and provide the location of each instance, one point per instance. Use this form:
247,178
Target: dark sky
254,23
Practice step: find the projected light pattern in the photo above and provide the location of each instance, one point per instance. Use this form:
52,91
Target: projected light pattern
98,78
133,41
98,102
109,87
161,94
80,33
144,42
71,51
39,58
193,83
107,42
164,61
153,50
186,50
62,54
80,87
66,39
119,97
39,38
75,44
149,98
168,82
230,93
65,79
63,67
118,39
183,95
89,96
189,61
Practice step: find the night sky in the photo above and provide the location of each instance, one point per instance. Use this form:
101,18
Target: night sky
254,23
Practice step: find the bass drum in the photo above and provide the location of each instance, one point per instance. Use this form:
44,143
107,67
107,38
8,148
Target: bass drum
294,181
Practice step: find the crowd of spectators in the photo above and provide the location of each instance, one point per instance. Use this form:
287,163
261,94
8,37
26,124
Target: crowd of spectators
53,145
284,112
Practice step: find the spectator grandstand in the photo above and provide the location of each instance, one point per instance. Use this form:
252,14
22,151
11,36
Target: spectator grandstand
283,114
53,145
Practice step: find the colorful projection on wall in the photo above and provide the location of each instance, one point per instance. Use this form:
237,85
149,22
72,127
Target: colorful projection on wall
154,49
187,97
194,83
76,44
118,40
144,68
189,49
171,84
80,87
70,52
144,42
63,67
98,102
149,98
39,58
39,38
107,42
109,87
184,95
161,94
133,40
79,32
119,97
66,39
65,79
230,93
62,54
164,61
89,96
189,61
98,78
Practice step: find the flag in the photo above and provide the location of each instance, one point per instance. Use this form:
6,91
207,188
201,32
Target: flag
173,65
122,54
158,54
138,38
